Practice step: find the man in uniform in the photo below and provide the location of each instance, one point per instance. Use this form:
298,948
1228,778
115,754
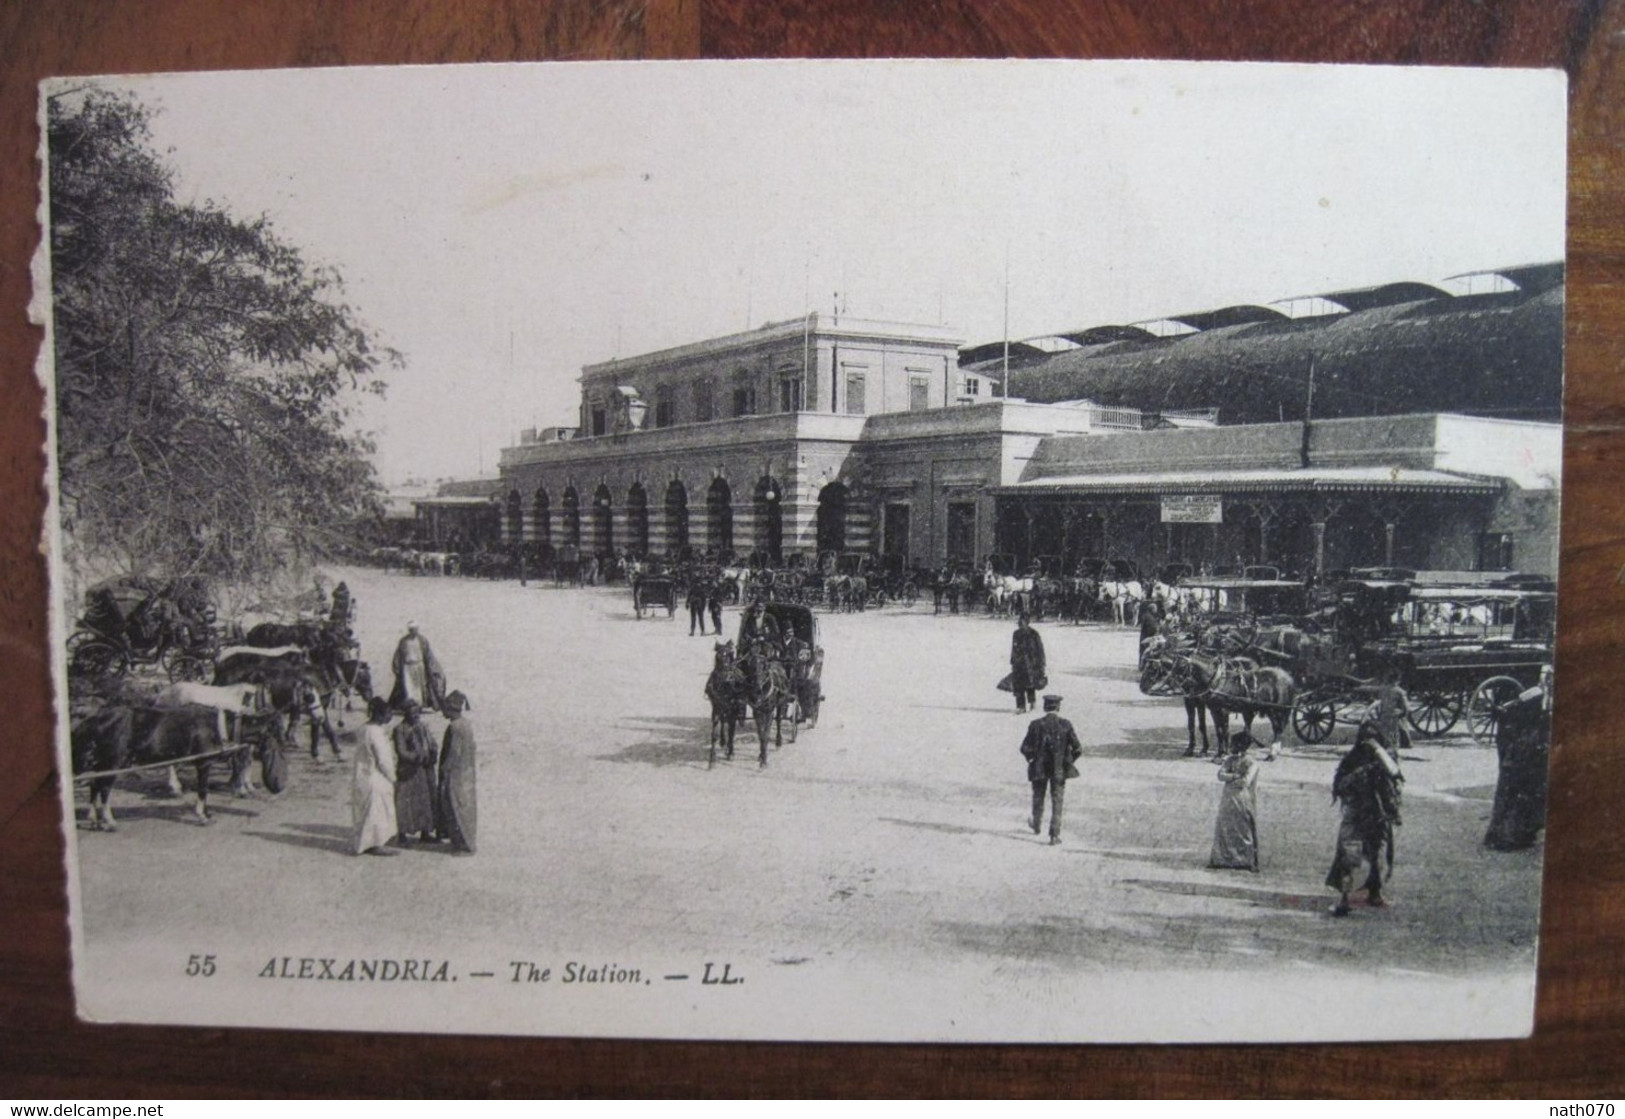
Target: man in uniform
1052,751
696,606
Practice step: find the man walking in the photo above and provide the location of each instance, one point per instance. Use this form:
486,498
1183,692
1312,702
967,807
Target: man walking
1052,751
1026,665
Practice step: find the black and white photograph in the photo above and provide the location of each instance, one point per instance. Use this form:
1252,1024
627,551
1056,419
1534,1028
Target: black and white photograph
960,551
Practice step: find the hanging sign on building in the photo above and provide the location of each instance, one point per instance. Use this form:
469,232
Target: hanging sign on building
1192,509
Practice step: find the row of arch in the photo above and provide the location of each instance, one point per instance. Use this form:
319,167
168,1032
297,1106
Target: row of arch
634,535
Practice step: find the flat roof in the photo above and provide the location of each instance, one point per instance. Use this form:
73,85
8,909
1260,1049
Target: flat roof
1387,478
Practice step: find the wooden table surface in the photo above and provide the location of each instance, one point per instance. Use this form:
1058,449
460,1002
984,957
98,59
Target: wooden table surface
1578,1051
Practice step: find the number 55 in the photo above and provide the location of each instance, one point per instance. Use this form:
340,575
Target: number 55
200,965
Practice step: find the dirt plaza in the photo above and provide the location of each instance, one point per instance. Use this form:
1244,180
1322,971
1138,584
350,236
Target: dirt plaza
878,873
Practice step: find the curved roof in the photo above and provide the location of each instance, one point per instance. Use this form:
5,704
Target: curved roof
1497,354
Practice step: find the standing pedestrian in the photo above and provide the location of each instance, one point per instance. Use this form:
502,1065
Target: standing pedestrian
1367,784
458,817
372,786
713,604
1235,835
1523,730
418,675
1052,751
1026,665
415,756
696,607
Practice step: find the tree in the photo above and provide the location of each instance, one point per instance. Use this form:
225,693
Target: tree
206,373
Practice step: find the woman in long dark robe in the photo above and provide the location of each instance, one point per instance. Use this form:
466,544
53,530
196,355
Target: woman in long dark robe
415,755
458,817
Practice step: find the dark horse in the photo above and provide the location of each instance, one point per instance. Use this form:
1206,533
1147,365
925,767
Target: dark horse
120,736
769,695
728,691
1226,685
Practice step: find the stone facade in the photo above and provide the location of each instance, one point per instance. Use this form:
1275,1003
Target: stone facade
923,470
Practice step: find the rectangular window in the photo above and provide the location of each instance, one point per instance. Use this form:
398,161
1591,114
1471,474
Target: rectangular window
962,532
704,402
790,394
663,408
598,419
744,400
919,394
973,386
1495,551
854,394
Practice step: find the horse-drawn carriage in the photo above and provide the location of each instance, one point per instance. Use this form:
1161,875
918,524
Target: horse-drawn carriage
654,586
1457,648
776,672
136,622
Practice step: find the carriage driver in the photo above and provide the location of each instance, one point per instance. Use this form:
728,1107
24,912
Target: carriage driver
756,624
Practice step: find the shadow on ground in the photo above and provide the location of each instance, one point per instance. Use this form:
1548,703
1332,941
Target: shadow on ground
175,812
679,740
1124,674
332,839
1160,744
1018,832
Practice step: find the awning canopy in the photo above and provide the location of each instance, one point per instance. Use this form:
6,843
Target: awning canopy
1356,479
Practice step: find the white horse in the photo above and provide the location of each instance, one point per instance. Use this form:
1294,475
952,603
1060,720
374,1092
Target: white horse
1123,598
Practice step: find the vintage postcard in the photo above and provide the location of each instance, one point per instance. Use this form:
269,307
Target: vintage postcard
898,551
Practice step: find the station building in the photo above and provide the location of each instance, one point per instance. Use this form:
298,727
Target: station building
828,434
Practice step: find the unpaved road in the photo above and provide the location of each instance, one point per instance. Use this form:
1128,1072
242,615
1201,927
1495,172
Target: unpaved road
875,880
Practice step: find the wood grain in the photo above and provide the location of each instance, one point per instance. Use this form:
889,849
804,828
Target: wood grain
1579,1048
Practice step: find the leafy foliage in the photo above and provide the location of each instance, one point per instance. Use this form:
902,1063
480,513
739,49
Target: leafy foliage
206,373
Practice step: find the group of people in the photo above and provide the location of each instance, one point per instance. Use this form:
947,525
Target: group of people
406,788
1366,786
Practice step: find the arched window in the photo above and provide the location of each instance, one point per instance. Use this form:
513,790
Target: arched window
676,520
572,518
719,517
832,518
637,519
541,517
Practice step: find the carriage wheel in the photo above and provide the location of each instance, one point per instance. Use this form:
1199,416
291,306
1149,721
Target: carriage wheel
1434,711
183,666
1313,720
98,658
1483,716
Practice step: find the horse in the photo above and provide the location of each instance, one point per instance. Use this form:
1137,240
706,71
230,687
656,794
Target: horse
1122,598
231,701
1226,685
769,695
121,736
326,647
727,690
293,688
1008,594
